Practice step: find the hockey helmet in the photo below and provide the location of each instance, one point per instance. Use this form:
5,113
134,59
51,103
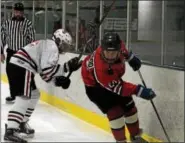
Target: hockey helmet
111,42
111,45
63,40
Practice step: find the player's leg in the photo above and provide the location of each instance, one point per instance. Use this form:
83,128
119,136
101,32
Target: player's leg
108,104
20,80
15,117
117,123
35,95
131,119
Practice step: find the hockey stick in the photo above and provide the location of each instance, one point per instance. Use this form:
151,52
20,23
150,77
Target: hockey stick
79,57
101,21
139,72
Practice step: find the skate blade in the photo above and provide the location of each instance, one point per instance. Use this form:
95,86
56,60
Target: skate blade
27,135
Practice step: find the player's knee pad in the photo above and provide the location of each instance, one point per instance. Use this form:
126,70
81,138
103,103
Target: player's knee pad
131,116
117,122
116,117
35,95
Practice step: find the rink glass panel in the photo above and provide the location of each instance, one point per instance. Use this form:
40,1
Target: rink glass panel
116,19
146,30
174,33
54,17
71,22
156,33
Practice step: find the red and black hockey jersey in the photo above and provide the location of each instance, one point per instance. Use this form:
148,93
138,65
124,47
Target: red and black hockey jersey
95,73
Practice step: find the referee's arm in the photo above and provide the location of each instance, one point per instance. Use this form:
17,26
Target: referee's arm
30,33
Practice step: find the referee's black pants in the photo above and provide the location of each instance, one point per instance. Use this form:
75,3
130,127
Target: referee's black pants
8,70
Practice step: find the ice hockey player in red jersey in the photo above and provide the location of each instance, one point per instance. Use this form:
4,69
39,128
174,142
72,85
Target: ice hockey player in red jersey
102,73
39,57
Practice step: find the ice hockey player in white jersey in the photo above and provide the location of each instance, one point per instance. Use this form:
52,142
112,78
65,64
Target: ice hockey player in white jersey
37,57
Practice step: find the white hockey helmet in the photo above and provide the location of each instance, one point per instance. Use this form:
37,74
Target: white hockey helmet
62,39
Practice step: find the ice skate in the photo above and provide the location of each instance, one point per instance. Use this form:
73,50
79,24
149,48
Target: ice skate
139,139
10,100
26,130
13,135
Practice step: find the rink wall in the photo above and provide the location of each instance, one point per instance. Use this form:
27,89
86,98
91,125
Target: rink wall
168,84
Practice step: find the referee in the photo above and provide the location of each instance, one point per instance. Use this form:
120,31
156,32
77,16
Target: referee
16,33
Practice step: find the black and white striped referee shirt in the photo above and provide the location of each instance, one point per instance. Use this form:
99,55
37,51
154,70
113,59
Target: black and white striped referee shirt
16,34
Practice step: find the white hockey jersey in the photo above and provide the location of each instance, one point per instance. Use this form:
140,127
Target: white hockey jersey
40,57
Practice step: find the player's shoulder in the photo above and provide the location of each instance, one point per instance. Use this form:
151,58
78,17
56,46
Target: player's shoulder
51,45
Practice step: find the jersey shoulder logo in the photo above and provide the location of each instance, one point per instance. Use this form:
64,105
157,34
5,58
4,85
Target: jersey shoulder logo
90,63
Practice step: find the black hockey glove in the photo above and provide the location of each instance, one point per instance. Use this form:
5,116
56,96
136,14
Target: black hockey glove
72,65
62,81
134,62
145,93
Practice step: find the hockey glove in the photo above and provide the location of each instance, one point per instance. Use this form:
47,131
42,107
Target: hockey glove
134,62
145,93
62,81
72,65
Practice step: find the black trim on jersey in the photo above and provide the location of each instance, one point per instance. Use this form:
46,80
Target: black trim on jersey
58,66
48,68
30,58
25,61
44,75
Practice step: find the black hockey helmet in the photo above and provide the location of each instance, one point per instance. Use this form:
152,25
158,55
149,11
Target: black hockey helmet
111,42
111,46
19,6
